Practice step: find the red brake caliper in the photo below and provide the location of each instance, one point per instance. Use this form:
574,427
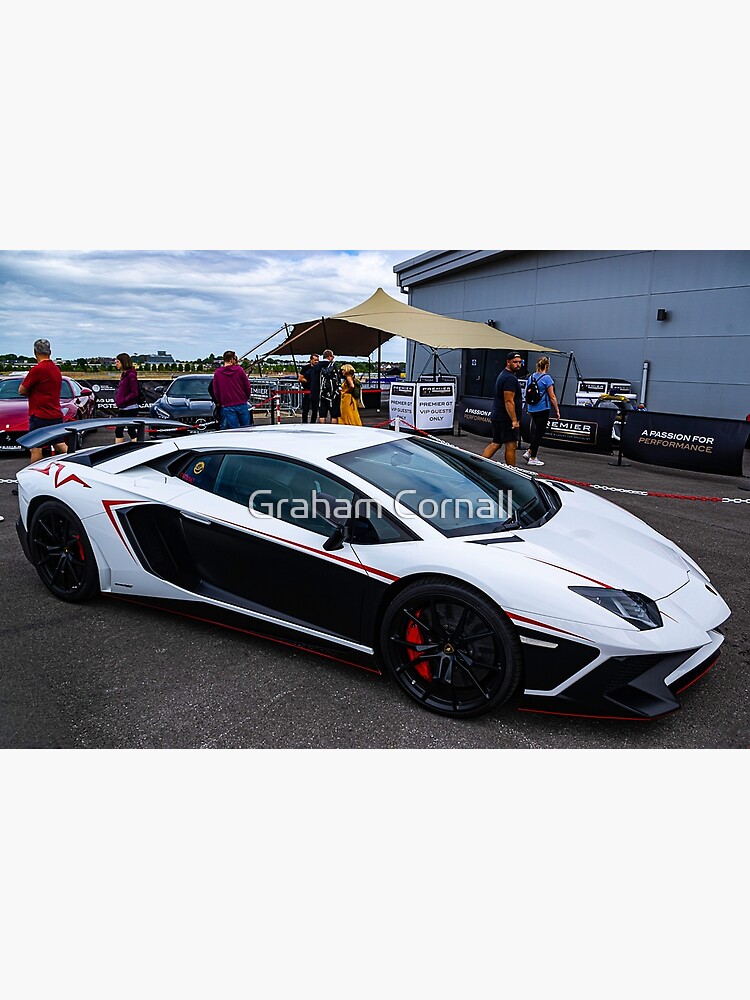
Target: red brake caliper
414,634
81,553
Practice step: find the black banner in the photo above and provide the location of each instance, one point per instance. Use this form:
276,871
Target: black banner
700,444
473,414
581,428
105,389
371,398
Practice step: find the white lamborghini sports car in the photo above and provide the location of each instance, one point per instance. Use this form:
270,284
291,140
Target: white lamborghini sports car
472,584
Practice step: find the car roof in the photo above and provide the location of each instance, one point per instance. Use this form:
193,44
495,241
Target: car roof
311,442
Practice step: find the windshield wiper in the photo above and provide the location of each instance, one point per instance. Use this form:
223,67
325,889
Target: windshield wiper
514,521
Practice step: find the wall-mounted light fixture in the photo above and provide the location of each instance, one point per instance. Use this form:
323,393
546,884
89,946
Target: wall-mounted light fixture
662,314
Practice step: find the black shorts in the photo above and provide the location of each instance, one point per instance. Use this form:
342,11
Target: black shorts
503,432
36,422
333,408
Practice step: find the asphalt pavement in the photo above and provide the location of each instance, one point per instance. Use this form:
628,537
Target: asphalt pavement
113,675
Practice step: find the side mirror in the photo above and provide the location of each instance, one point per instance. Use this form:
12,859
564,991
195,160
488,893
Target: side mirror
336,540
86,392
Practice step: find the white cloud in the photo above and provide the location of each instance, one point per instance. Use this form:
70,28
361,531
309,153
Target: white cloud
188,303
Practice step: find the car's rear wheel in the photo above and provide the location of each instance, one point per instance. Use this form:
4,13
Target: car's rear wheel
450,648
61,552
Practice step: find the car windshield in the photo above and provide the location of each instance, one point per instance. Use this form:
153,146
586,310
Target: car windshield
190,388
9,388
456,492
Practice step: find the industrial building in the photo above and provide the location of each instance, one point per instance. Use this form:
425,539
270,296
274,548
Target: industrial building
673,323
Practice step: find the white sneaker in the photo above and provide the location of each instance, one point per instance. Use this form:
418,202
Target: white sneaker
526,454
535,461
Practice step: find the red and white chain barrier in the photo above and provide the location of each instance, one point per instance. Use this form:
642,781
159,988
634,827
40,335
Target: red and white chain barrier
647,493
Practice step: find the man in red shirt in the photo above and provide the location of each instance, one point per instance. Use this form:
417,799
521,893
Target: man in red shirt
42,387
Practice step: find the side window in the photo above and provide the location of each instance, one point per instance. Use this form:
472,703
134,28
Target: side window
372,526
65,390
198,469
285,490
276,487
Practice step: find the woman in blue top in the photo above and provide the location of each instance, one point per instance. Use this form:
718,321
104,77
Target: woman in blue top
540,412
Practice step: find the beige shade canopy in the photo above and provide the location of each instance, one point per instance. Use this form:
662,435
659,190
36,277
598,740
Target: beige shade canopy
362,329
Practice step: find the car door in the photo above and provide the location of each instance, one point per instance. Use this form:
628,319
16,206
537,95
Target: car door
254,538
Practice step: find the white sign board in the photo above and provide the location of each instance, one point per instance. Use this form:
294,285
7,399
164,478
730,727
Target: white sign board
435,405
401,402
428,406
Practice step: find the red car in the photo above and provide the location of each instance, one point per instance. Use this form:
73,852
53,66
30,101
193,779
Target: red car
76,402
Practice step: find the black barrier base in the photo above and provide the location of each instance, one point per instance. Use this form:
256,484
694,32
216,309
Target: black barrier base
625,465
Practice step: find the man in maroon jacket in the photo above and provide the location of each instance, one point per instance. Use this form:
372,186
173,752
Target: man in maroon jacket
42,387
231,390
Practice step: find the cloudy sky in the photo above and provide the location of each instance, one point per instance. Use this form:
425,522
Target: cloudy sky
188,303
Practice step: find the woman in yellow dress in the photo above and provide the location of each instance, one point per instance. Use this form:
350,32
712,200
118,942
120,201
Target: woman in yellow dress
351,393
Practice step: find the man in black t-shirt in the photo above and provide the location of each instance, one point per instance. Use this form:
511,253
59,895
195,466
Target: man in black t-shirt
506,410
309,379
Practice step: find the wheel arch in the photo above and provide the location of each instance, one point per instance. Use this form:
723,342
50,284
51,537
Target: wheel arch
100,561
37,502
450,689
406,581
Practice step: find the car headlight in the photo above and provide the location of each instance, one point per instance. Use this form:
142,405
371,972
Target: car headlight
161,413
634,608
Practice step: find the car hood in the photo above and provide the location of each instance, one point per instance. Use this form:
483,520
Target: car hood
14,414
602,544
183,403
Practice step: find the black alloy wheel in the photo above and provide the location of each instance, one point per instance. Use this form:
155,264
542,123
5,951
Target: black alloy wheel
62,554
450,648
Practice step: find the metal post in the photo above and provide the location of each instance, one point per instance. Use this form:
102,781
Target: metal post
644,382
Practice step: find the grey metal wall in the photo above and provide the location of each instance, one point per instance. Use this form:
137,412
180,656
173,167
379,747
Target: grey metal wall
601,305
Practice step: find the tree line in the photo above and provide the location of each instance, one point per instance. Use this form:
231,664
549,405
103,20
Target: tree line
275,366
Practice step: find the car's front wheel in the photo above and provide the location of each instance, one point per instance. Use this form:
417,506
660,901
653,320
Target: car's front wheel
61,552
450,648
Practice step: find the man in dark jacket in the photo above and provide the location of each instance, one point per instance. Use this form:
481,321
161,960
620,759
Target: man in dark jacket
309,379
231,391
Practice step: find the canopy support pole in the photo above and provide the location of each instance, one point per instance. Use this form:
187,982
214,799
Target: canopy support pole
274,334
294,360
380,342
435,360
565,380
571,358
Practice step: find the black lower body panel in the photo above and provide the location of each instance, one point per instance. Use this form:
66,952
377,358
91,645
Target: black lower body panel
258,628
